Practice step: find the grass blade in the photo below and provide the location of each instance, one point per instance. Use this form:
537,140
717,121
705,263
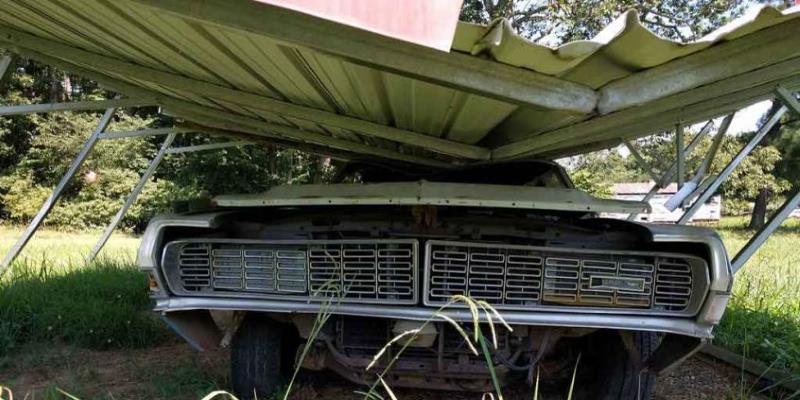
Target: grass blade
574,374
474,310
460,331
389,344
490,365
388,389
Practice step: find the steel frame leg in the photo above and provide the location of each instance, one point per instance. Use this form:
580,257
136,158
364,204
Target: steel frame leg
148,173
681,156
764,233
670,171
6,61
59,189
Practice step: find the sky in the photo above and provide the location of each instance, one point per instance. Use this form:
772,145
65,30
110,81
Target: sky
745,120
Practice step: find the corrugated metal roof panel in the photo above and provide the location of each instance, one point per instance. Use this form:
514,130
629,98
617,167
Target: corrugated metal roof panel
508,98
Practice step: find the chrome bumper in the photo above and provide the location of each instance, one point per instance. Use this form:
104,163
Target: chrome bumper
700,325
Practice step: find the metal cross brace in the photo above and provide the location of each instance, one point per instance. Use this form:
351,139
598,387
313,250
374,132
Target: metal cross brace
669,173
59,189
743,153
790,102
148,173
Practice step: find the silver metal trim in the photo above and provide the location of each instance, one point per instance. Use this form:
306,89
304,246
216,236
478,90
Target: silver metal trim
178,290
681,326
700,273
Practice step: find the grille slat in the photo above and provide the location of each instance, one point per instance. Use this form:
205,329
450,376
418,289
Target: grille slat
517,277
673,284
385,271
382,271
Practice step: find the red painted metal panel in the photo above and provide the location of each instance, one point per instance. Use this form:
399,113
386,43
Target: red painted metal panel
430,23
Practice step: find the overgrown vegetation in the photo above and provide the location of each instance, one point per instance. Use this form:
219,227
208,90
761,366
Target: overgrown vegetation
35,151
763,317
51,298
103,305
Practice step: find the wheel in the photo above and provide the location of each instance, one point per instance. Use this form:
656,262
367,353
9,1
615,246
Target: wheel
610,372
257,362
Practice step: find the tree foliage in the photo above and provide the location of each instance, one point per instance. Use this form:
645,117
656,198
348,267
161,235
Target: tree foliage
758,173
554,22
36,149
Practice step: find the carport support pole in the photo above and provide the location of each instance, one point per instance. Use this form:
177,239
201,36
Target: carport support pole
62,184
148,173
5,63
681,157
743,153
670,171
764,233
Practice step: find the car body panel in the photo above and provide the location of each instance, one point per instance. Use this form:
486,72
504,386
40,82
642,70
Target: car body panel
433,193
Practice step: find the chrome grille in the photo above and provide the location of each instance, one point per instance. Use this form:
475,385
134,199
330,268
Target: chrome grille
194,267
599,280
379,271
673,284
521,277
376,271
501,276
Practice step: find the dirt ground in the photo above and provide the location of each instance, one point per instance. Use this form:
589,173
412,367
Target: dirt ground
175,371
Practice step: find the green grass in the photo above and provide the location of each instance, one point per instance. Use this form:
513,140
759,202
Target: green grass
103,305
52,297
763,317
65,251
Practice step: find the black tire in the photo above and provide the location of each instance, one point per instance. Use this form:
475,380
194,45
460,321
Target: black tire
257,364
611,373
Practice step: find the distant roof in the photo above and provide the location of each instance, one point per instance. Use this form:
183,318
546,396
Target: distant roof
642,188
267,73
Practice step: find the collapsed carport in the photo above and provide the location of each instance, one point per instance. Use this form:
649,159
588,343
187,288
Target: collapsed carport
263,74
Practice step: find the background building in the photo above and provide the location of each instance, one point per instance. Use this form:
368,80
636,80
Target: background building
711,211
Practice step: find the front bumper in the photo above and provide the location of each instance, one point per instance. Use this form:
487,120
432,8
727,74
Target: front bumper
700,326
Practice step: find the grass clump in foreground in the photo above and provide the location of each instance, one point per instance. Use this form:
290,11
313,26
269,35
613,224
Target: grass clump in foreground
101,306
762,321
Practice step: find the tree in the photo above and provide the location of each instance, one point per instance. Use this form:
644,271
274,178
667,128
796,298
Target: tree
35,150
785,135
596,172
554,22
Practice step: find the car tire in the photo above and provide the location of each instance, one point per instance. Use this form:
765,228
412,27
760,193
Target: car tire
613,373
629,382
257,369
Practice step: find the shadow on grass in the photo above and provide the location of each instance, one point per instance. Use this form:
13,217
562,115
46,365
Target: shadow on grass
105,305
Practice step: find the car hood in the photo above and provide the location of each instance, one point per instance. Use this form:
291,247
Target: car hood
433,193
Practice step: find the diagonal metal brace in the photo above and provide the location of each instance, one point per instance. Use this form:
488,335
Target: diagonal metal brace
148,173
764,233
59,189
641,161
670,171
743,153
6,65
